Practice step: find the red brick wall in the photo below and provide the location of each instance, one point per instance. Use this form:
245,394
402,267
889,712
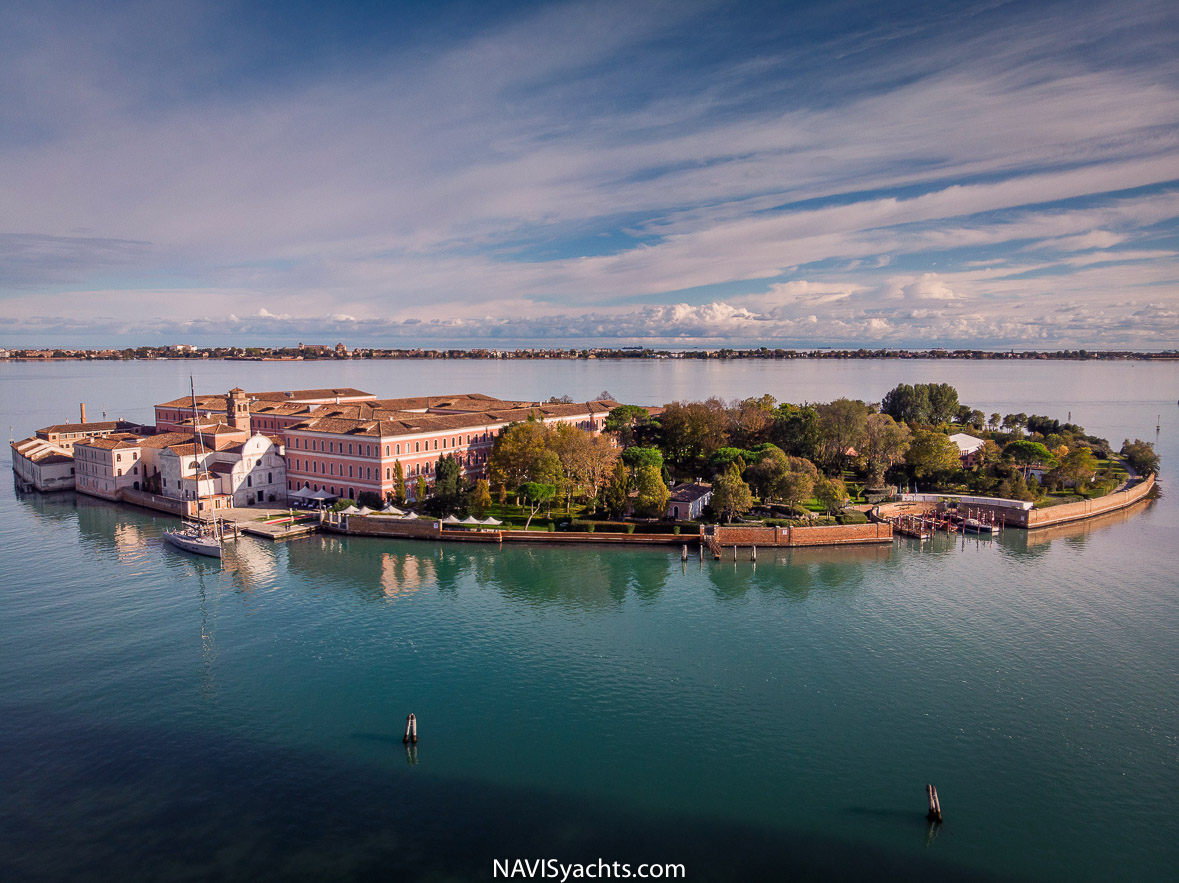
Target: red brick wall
833,535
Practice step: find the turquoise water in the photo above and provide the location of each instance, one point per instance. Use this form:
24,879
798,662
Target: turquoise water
163,717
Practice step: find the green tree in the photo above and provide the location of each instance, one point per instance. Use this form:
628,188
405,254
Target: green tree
831,494
691,431
448,477
622,421
639,456
398,484
535,495
943,402
516,452
617,489
796,431
1141,456
766,476
799,483
730,494
481,500
907,404
423,490
931,454
1027,453
842,423
885,443
651,501
1078,466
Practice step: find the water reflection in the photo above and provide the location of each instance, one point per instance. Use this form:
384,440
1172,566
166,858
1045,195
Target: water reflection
793,574
1034,543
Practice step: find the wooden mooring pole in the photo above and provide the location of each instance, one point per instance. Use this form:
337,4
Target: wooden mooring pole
411,730
935,805
684,553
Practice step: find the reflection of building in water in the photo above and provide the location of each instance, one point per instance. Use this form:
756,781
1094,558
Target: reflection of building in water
129,538
251,561
406,574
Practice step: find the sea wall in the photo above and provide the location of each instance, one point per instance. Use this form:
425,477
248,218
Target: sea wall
826,535
152,501
1088,508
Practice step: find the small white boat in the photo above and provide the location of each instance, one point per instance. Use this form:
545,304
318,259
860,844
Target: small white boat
195,540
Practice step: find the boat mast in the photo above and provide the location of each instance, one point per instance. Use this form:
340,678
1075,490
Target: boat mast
200,442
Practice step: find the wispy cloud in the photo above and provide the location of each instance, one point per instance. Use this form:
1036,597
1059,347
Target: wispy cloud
593,164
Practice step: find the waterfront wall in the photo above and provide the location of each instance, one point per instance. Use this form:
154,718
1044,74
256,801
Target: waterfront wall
151,501
826,535
1088,508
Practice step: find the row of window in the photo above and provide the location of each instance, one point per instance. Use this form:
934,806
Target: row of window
331,447
318,467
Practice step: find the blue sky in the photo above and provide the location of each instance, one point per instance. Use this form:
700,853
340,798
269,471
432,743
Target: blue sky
675,174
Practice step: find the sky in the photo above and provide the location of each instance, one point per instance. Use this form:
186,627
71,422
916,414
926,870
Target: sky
674,174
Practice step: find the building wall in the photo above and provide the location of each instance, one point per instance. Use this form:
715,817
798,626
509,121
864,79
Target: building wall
348,465
833,535
103,472
45,477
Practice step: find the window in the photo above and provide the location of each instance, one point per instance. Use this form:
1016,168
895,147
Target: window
387,451
119,472
417,446
388,473
399,449
350,470
119,457
249,481
270,478
368,473
349,448
435,444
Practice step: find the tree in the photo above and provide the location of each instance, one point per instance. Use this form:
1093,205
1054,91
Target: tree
1141,456
423,490
515,454
617,490
481,500
572,447
691,431
536,494
398,484
943,402
730,494
766,476
842,424
799,483
622,420
1015,487
653,494
831,494
796,431
931,454
749,420
1027,453
601,456
639,456
885,443
448,477
907,404
995,420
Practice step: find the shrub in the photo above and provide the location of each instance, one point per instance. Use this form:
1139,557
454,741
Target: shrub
630,528
676,530
589,528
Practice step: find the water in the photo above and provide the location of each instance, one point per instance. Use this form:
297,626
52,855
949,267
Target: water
163,717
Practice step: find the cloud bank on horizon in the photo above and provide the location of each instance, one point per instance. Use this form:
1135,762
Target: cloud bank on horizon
679,173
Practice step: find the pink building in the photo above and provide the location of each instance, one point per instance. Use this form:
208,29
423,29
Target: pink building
349,450
269,412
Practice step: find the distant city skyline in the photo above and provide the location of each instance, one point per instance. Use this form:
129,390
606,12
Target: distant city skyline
665,174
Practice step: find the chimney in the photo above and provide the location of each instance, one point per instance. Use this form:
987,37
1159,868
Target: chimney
82,407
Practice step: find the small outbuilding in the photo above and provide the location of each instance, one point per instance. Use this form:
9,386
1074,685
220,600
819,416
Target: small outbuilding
688,500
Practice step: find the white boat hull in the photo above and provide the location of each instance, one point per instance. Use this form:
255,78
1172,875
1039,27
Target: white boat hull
198,544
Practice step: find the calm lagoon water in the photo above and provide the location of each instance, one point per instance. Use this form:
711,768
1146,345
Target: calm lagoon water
165,718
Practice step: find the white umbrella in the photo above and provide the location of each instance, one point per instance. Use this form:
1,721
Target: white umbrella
350,510
409,516
470,519
303,493
392,510
364,510
490,520
450,519
322,494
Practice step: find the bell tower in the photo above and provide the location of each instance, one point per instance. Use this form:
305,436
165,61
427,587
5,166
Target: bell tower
237,409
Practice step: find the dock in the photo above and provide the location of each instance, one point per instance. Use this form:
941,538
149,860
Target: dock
269,524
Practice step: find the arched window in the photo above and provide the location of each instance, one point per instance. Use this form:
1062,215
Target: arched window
349,449
387,451
388,473
417,446
399,449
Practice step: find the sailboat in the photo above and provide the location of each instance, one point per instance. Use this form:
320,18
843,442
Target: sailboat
196,537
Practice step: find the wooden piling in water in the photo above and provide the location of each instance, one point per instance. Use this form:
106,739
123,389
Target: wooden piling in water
935,805
409,726
413,734
753,554
684,553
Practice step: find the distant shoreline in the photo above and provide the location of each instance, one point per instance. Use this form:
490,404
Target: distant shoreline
337,354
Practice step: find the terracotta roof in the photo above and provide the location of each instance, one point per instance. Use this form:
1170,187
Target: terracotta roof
166,439
40,451
110,442
689,493
394,423
221,468
103,426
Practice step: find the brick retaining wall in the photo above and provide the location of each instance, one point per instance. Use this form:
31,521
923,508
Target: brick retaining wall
826,535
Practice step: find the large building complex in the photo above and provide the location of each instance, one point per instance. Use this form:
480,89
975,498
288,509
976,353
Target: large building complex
260,446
